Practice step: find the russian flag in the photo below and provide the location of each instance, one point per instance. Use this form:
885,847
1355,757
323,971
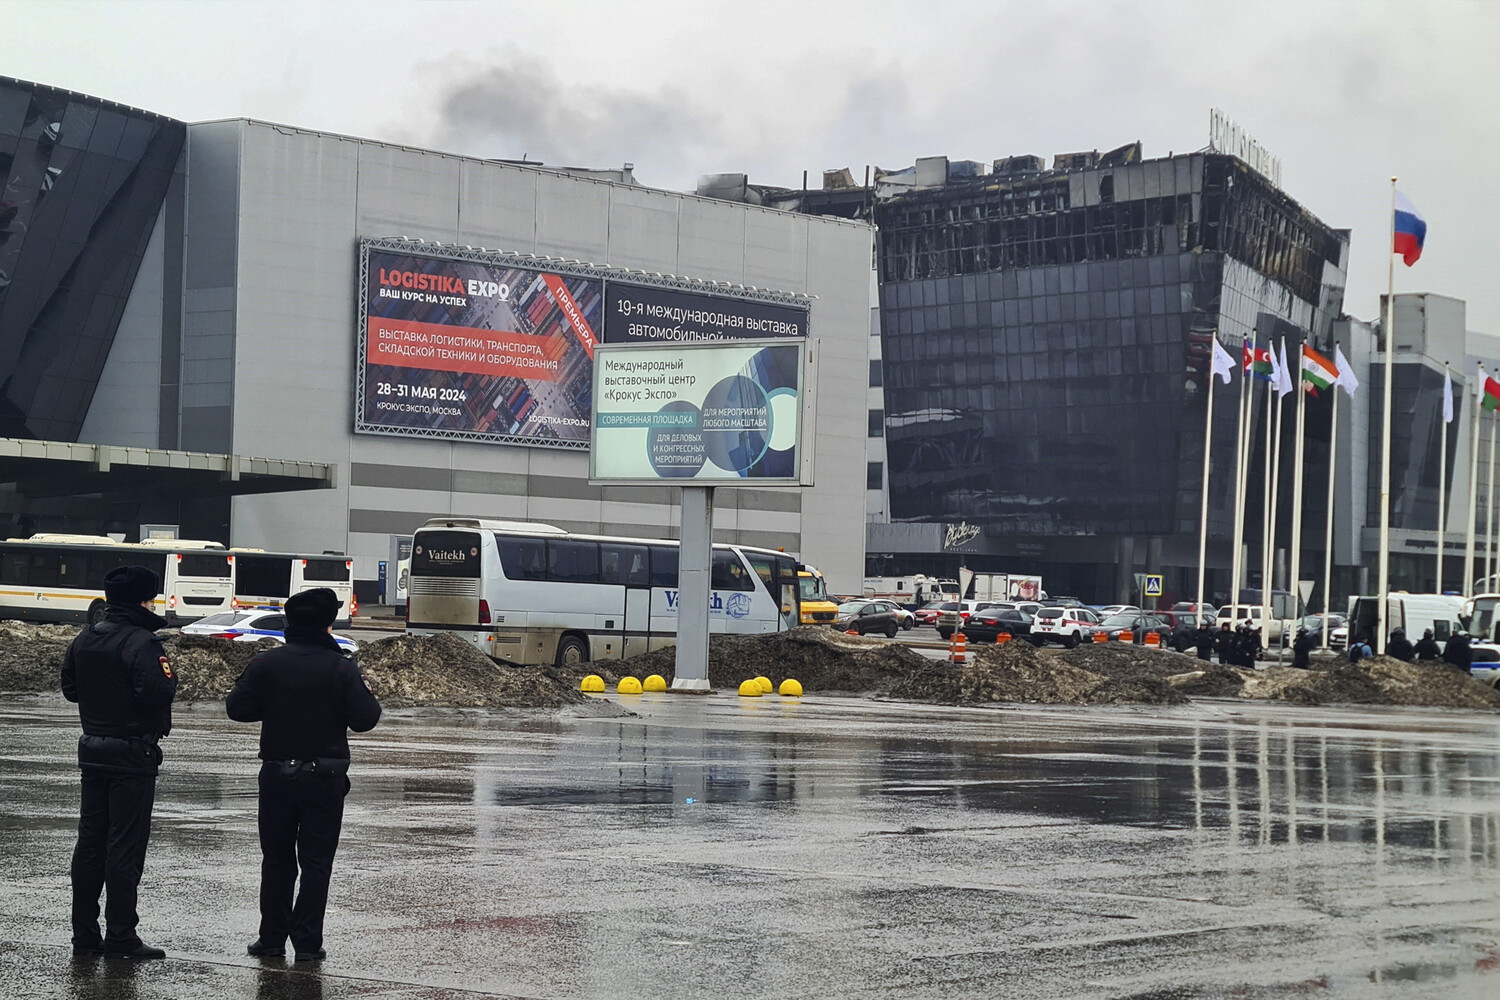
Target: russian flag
1411,230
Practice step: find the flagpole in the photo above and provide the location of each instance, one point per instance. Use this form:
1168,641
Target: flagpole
1295,583
1382,594
1267,537
1267,607
1443,478
1208,440
1490,504
1333,440
1241,486
1473,484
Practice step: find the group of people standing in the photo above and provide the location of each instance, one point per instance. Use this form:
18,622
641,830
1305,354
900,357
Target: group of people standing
307,695
1237,647
1456,652
1241,646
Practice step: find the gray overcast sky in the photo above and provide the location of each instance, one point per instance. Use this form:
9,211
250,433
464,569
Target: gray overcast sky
1345,93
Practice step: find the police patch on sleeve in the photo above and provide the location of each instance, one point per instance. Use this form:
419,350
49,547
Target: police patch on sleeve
366,684
166,667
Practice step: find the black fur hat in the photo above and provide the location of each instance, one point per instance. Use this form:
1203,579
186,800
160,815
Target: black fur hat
131,585
313,608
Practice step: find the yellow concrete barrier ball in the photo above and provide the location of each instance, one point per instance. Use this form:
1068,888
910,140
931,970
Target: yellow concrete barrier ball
751,689
766,687
592,684
628,685
656,682
790,689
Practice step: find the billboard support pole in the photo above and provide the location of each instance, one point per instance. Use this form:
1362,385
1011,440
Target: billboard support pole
694,563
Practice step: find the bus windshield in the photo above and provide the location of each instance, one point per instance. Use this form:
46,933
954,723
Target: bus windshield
811,588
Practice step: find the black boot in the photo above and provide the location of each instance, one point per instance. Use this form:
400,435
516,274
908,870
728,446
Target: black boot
262,948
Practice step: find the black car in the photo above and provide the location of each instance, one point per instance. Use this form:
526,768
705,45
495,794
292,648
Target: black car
1137,624
984,626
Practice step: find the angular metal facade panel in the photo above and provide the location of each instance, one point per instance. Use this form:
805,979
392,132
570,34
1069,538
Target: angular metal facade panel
84,183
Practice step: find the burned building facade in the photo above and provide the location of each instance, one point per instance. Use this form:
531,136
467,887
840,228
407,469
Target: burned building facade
1046,337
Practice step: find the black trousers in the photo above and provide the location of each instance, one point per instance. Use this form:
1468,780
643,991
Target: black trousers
299,818
114,823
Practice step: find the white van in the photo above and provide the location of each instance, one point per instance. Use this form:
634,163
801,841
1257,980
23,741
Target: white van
1415,613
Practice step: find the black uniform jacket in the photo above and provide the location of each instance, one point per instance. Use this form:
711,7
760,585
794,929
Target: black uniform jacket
118,674
306,695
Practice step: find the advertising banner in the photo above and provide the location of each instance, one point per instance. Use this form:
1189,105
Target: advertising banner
461,349
642,314
717,412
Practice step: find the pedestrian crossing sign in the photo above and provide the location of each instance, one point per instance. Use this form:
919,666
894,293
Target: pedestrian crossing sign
1152,587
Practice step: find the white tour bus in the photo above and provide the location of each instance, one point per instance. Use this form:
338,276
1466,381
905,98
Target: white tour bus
60,578
531,593
267,579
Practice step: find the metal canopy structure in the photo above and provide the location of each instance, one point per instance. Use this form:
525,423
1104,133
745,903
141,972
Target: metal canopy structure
48,469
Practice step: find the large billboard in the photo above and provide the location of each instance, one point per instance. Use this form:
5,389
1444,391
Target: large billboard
490,347
642,314
727,412
461,349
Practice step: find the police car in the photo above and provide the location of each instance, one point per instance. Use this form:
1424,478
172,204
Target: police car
252,625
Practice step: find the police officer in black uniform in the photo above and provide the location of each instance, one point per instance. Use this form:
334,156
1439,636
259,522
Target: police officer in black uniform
1204,638
307,695
1458,652
1427,649
117,672
1400,647
1302,650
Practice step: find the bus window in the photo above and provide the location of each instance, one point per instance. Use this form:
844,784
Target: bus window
262,577
43,569
446,553
663,566
728,573
205,565
623,565
520,558
13,568
70,569
765,568
326,570
573,561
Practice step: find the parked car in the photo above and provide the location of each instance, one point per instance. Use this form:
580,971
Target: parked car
1068,626
987,625
928,613
1185,625
1138,624
956,613
864,617
1194,608
1485,667
252,625
1314,626
1118,609
1064,602
905,618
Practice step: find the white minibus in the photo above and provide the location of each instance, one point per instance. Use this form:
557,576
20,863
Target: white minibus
531,593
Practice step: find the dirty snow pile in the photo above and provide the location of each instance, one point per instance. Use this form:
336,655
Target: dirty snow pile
1019,672
403,670
821,658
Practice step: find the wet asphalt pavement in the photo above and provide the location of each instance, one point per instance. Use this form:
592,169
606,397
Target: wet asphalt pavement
724,847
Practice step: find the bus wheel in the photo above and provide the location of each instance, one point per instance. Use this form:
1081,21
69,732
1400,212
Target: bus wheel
96,612
572,651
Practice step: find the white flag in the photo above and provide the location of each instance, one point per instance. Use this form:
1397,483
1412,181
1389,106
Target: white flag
1283,373
1223,362
1447,397
1346,379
